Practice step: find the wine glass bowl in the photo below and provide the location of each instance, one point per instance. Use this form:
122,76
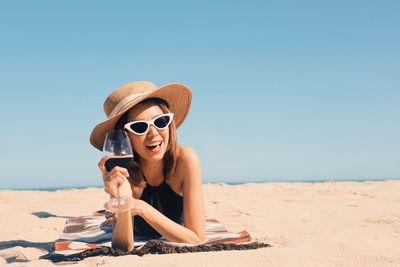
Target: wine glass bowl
117,147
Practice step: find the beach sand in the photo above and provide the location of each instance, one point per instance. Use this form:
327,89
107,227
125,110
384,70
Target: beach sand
307,224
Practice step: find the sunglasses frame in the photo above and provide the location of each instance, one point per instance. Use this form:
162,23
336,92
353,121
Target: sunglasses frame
149,123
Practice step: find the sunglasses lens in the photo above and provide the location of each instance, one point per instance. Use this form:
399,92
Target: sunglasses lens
162,121
139,127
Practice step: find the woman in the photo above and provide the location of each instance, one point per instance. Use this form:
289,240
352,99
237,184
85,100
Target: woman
164,181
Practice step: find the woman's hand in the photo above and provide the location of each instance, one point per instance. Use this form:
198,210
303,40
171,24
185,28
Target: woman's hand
138,208
115,181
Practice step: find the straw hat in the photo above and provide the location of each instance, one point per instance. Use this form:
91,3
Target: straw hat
177,96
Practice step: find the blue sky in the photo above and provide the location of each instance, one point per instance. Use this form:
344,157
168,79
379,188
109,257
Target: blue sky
282,90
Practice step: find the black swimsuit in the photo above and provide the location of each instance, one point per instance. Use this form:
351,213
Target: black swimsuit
166,201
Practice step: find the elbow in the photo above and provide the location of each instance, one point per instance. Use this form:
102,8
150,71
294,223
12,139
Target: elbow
197,240
202,238
193,239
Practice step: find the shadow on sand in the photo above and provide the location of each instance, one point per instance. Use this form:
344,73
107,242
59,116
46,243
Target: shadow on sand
48,246
45,214
26,244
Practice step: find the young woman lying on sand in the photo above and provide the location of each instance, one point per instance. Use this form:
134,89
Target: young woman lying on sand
164,180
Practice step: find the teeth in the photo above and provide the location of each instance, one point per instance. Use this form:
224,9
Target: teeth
155,144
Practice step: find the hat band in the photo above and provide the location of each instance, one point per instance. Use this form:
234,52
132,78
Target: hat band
123,103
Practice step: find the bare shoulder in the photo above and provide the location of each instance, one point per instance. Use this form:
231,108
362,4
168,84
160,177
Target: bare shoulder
188,164
187,167
187,155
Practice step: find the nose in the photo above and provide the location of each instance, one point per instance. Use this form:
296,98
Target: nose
152,131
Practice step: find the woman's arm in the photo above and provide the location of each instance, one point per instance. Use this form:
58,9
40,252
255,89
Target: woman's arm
193,230
117,185
122,233
123,225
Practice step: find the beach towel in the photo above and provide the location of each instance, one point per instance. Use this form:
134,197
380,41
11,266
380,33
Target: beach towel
89,235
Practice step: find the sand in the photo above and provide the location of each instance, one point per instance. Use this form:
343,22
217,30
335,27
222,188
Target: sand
308,224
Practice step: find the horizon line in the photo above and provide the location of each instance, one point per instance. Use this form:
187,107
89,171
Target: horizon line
55,188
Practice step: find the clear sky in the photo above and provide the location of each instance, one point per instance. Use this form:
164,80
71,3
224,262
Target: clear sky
282,90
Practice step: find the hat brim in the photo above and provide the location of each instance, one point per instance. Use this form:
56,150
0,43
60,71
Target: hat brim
177,96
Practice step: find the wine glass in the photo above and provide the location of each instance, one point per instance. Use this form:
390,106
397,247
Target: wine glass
118,147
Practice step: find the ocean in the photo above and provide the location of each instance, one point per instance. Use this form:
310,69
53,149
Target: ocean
55,188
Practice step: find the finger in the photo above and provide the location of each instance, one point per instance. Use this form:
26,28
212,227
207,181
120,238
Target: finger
117,181
102,163
124,171
112,219
106,214
110,176
107,177
106,181
109,215
112,189
121,170
113,184
109,220
117,178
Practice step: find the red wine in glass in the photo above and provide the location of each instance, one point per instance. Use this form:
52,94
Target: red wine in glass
121,161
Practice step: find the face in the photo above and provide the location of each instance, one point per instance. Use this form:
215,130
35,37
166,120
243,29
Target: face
152,145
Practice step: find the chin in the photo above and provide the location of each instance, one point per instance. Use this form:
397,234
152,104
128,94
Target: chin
157,157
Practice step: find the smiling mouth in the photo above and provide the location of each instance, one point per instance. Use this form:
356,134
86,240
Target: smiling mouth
154,146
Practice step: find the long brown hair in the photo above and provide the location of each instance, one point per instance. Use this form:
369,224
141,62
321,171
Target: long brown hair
136,178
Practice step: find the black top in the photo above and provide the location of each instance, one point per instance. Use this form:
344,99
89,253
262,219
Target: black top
166,201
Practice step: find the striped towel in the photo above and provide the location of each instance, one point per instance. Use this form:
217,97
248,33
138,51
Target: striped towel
90,232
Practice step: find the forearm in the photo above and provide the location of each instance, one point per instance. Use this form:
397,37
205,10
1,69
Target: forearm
122,235
168,228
